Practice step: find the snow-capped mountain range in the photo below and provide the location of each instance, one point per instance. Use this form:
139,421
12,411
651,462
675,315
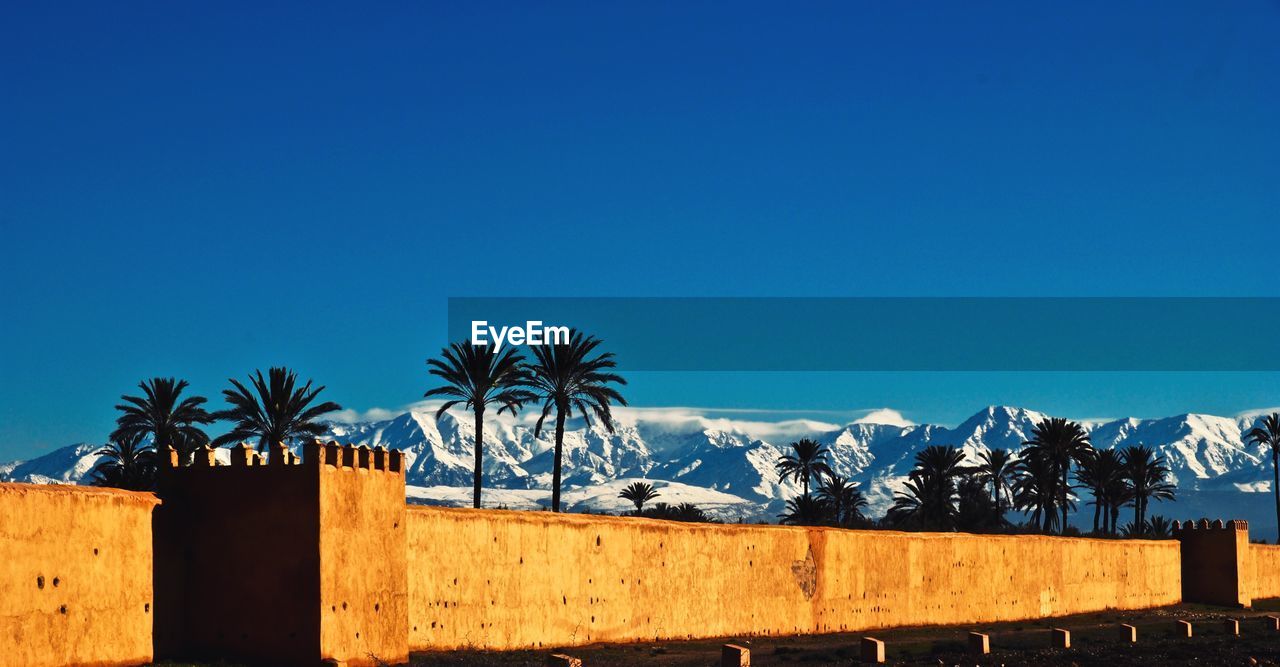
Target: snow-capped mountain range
726,466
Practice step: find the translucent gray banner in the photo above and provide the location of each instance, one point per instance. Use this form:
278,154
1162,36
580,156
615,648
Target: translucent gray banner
901,334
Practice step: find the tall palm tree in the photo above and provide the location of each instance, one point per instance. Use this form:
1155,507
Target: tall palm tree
844,499
976,510
808,459
1102,473
638,493
277,410
995,467
165,415
1268,434
478,377
1118,495
1087,477
127,464
572,377
1035,489
1062,442
1146,475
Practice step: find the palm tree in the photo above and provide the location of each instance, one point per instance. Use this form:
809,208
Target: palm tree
276,411
805,510
639,493
1085,478
911,507
1134,530
164,415
1118,495
996,468
844,499
1035,489
477,377
976,510
1062,442
1146,476
1269,434
930,497
690,512
1098,471
683,512
1159,527
807,460
127,464
568,377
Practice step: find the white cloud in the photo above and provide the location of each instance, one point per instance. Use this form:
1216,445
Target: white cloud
887,416
1254,414
370,415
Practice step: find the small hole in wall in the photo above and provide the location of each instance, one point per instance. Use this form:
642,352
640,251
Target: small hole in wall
56,581
395,525
40,582
357,635
146,608
62,609
333,607
344,606
95,551
377,607
597,540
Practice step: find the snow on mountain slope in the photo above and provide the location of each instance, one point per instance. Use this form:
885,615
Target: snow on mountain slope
728,464
68,465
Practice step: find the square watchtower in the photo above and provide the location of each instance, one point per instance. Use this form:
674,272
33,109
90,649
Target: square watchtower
282,560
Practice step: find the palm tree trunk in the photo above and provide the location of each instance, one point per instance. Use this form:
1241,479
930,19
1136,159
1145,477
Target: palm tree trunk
1063,528
475,476
1097,508
555,475
1275,486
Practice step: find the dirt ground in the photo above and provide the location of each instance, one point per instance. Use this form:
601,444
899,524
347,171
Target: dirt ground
1094,638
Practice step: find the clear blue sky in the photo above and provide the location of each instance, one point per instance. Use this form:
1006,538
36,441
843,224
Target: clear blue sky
201,190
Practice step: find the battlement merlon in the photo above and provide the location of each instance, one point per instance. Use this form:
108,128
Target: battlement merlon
1234,525
315,453
335,455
